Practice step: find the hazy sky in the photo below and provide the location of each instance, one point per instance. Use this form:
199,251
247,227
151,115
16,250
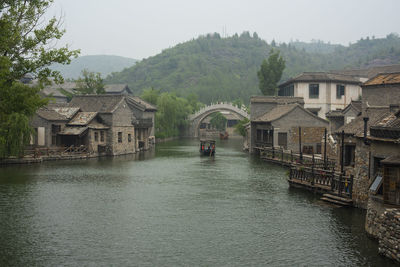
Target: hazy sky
139,29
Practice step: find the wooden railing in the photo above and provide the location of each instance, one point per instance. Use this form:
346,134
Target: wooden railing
287,156
335,182
54,151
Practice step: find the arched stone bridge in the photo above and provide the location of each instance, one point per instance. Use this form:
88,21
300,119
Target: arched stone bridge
199,116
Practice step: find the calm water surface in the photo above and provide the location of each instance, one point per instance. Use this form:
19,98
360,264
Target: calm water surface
172,207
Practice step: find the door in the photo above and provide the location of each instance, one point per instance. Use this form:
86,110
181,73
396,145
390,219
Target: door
282,140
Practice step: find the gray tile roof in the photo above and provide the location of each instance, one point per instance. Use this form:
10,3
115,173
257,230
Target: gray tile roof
356,126
53,112
276,99
276,113
147,106
50,114
97,103
370,72
82,118
281,110
322,77
117,88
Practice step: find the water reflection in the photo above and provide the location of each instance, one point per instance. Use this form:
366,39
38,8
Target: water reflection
172,207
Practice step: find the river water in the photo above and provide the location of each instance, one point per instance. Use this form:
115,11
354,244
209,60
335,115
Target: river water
171,207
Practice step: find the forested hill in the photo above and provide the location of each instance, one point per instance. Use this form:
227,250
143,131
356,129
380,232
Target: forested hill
104,64
218,69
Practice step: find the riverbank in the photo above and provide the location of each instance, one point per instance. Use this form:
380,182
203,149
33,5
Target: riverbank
173,208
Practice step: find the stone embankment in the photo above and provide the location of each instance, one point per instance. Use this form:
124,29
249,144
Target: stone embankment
389,234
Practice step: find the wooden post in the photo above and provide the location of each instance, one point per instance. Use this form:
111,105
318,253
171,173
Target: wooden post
301,153
282,154
325,159
342,154
273,152
340,185
333,179
291,155
351,186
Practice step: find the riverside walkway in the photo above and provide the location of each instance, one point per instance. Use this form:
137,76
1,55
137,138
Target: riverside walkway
312,173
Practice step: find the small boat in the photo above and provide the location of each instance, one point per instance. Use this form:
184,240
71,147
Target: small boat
223,136
207,147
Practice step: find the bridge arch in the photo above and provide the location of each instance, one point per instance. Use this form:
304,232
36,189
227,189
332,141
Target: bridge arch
199,116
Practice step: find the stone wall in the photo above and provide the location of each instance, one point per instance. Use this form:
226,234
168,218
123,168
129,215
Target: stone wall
374,211
389,234
125,146
381,95
310,136
362,179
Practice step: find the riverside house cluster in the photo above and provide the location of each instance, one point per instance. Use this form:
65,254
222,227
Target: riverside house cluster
114,123
360,114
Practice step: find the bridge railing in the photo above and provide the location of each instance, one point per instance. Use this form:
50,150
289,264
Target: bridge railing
226,105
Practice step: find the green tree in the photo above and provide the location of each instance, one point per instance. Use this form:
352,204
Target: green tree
240,126
150,95
218,121
270,73
237,103
90,83
26,47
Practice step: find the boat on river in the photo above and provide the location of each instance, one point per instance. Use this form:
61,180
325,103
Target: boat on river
207,147
223,136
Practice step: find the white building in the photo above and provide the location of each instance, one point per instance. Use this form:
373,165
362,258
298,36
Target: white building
323,91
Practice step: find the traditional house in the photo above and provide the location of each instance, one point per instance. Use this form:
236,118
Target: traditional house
62,93
281,124
340,117
144,124
323,91
357,158
113,112
48,122
85,129
117,89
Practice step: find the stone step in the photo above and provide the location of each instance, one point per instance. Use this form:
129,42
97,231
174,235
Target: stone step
343,199
337,202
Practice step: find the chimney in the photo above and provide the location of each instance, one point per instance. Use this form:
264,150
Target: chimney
365,130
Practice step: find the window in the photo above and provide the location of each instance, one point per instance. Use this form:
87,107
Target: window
54,130
129,138
282,140
259,134
102,136
391,185
265,136
286,91
339,91
349,155
313,90
119,137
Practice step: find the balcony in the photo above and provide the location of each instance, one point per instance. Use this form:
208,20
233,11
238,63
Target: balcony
143,123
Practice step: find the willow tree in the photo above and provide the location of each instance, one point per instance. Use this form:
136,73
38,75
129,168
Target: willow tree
26,47
270,73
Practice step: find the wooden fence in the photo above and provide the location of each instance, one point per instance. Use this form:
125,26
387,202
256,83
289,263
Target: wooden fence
55,151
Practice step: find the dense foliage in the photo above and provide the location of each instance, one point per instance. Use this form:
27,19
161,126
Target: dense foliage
105,64
270,73
90,83
218,121
240,127
224,69
25,48
172,111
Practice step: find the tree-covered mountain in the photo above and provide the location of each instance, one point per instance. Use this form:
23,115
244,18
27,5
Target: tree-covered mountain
224,69
103,64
